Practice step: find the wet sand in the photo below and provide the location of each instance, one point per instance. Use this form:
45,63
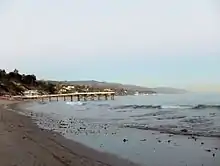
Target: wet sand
22,143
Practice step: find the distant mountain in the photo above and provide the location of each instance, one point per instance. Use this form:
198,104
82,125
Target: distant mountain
111,85
168,90
131,88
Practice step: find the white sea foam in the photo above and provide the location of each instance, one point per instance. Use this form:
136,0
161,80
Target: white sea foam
175,107
74,103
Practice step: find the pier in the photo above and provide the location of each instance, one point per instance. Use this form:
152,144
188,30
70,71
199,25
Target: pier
70,96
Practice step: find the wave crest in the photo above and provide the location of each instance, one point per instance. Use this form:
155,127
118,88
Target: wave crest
199,106
75,103
202,106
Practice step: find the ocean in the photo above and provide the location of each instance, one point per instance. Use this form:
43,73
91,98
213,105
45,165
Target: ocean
155,130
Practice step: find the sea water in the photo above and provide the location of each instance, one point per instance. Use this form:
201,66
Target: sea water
161,129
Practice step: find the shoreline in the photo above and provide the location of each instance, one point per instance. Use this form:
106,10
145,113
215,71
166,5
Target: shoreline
141,146
24,143
44,142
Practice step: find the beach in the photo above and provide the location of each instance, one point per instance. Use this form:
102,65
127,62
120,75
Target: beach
22,143
174,130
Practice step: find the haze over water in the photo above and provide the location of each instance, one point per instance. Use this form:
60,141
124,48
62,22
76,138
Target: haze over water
140,127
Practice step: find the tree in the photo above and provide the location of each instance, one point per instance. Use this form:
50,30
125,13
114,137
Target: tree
29,79
51,88
14,76
16,71
2,74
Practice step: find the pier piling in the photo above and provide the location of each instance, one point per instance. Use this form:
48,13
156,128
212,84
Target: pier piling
78,98
112,97
85,97
92,97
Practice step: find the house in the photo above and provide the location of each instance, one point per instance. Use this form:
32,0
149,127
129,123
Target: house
62,91
69,87
107,90
31,93
66,89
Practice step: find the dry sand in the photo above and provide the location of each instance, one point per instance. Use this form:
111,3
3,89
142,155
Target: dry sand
22,143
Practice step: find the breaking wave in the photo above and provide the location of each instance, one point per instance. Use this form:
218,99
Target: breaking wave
75,103
199,106
176,130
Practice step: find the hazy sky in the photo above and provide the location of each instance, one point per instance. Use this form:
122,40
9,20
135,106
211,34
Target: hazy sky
146,42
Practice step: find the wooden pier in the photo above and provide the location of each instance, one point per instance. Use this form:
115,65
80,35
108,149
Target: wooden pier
71,96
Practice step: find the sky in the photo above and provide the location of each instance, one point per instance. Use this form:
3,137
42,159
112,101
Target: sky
144,42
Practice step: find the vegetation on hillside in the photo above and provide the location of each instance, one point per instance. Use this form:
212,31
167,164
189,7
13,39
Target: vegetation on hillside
14,83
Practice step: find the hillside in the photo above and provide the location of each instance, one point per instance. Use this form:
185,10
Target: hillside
14,83
130,88
117,87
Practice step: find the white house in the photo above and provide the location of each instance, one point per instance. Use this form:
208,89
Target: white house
31,93
69,87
